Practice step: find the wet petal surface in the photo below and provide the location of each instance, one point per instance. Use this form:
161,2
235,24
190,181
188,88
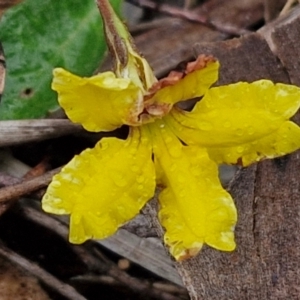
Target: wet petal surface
242,122
194,208
194,84
99,103
285,140
103,187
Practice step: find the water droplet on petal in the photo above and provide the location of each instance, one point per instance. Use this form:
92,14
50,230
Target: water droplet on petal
173,167
134,168
208,103
207,179
57,200
66,176
239,132
163,130
121,210
228,156
251,130
162,125
239,149
227,124
196,171
180,178
76,218
74,238
132,151
104,145
145,195
175,151
55,184
182,194
46,197
61,211
140,187
140,179
168,140
119,179
144,139
183,123
205,126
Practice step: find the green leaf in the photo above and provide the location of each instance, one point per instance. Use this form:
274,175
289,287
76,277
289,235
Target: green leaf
38,36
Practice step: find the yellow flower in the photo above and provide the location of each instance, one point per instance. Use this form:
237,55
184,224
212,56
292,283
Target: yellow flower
179,150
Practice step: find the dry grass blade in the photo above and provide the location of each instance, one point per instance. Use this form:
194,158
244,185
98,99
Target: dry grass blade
288,6
13,192
272,9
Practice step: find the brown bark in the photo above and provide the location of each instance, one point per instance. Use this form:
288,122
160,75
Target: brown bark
266,263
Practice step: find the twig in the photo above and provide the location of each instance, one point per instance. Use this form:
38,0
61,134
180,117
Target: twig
104,265
189,15
144,252
59,228
15,191
24,131
6,180
64,289
138,286
147,252
91,278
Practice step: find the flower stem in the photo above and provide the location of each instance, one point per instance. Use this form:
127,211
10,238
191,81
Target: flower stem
112,27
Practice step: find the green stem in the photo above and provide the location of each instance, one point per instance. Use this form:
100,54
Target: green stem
112,27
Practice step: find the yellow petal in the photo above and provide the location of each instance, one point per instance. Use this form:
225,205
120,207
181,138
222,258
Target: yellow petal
285,140
193,85
242,122
100,103
103,187
195,209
